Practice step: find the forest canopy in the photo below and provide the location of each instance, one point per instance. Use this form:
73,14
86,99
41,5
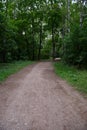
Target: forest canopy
40,29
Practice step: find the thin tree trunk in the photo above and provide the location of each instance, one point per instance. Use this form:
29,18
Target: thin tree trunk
5,39
53,41
6,8
80,13
27,46
33,55
68,15
39,53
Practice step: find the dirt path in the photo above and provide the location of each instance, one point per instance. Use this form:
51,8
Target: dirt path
36,99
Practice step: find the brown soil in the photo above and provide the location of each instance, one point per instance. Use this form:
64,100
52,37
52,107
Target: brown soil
36,99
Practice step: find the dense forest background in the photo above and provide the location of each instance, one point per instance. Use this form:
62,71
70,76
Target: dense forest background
40,29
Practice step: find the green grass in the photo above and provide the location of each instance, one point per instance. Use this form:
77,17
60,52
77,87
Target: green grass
7,69
76,78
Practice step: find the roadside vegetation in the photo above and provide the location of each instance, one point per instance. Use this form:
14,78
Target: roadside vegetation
75,77
7,69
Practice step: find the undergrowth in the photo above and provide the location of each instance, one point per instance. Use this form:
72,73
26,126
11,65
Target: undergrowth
76,78
7,69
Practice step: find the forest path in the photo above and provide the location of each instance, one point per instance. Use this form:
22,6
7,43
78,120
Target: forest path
36,99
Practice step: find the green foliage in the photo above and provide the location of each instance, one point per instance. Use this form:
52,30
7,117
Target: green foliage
77,78
75,47
46,26
46,50
73,43
54,16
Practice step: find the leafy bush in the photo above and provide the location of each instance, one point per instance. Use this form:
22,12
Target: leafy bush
75,47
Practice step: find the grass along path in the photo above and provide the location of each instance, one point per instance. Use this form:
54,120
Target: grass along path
7,69
76,78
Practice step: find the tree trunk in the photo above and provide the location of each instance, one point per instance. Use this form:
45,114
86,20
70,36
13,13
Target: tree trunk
6,8
27,46
33,55
53,41
39,53
80,12
68,15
